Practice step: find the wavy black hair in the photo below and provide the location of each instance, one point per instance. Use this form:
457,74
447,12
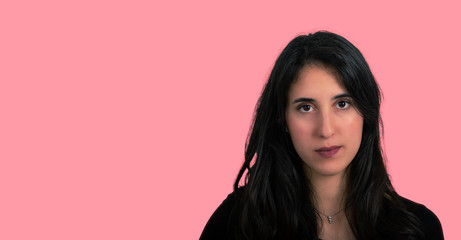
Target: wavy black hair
276,201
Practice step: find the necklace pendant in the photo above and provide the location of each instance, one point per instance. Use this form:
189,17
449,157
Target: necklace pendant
330,219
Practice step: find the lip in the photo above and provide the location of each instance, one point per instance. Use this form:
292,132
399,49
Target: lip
328,152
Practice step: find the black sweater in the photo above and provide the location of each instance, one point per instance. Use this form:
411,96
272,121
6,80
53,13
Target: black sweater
217,226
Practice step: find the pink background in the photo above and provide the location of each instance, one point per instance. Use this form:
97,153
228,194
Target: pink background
127,119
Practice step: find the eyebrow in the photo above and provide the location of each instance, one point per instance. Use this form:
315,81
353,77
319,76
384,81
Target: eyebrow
343,95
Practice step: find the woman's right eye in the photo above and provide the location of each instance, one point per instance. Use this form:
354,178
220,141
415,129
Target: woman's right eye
305,108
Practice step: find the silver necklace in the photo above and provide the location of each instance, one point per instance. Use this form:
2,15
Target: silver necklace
330,217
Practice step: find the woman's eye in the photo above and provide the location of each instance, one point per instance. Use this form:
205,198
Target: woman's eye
305,108
343,104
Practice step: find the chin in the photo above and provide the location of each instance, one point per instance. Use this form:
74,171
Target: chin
329,171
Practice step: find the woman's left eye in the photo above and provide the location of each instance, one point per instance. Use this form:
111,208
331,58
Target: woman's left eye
343,104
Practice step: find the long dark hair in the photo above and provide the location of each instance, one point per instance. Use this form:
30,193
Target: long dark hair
276,201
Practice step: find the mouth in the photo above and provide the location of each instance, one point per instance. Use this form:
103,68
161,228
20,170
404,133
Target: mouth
328,152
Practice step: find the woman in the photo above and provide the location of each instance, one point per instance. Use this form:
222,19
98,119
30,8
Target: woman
313,160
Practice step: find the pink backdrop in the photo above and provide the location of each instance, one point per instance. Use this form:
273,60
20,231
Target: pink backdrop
127,119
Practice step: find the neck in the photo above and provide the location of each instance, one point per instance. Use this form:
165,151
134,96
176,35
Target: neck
329,201
329,192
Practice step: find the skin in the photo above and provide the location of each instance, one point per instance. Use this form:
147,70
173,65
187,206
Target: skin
323,122
320,113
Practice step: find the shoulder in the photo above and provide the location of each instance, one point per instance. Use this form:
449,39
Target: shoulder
218,226
430,223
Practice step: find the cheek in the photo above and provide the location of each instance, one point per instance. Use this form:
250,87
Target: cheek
300,132
355,129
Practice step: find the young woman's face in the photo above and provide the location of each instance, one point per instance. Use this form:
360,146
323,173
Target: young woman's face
324,125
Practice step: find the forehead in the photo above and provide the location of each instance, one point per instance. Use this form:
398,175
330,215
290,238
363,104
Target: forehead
316,81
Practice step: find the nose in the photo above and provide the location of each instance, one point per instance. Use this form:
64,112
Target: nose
325,125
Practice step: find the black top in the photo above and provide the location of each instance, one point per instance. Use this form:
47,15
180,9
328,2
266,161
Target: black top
217,226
